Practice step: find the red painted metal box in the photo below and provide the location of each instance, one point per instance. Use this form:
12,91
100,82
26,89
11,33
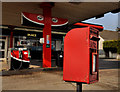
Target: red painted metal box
81,55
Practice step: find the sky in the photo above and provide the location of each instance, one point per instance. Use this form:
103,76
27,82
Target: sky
110,21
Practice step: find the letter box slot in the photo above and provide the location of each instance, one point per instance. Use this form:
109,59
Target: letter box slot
95,38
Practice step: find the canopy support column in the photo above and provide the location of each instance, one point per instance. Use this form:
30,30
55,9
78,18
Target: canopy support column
47,34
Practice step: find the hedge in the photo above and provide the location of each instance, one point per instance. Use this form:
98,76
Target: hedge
113,46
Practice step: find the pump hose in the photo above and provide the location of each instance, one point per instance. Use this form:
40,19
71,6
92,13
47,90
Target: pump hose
14,64
25,65
22,65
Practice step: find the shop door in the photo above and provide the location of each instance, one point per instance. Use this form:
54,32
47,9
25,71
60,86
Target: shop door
3,49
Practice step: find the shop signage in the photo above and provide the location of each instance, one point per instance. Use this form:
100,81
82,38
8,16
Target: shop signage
33,35
48,39
47,45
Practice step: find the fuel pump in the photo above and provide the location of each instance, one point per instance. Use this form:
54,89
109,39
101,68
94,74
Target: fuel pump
20,58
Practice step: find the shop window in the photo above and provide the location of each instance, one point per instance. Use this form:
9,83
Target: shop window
27,42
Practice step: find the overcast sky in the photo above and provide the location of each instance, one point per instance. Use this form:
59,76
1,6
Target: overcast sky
110,21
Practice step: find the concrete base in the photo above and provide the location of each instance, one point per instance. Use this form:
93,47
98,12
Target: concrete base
4,66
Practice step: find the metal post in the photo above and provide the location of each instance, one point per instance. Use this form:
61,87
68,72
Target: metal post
79,87
11,35
9,58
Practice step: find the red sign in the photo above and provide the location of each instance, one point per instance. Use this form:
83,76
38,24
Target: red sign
39,19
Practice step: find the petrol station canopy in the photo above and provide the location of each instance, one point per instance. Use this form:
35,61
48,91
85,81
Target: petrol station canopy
16,15
73,11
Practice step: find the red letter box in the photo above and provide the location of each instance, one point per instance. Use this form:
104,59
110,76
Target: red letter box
81,54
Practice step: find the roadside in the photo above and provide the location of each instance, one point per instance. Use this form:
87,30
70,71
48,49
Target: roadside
42,79
110,64
53,80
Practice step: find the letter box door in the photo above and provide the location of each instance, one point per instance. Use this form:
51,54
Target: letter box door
81,56
76,55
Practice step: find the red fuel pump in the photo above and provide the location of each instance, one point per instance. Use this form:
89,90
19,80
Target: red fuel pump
15,53
25,56
81,54
20,58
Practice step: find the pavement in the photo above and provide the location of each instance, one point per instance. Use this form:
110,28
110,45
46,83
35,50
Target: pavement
53,80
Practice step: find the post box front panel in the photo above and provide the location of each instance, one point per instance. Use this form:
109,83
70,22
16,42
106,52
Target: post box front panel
93,54
76,55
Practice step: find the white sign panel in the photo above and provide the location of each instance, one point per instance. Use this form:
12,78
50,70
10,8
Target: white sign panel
94,63
41,40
